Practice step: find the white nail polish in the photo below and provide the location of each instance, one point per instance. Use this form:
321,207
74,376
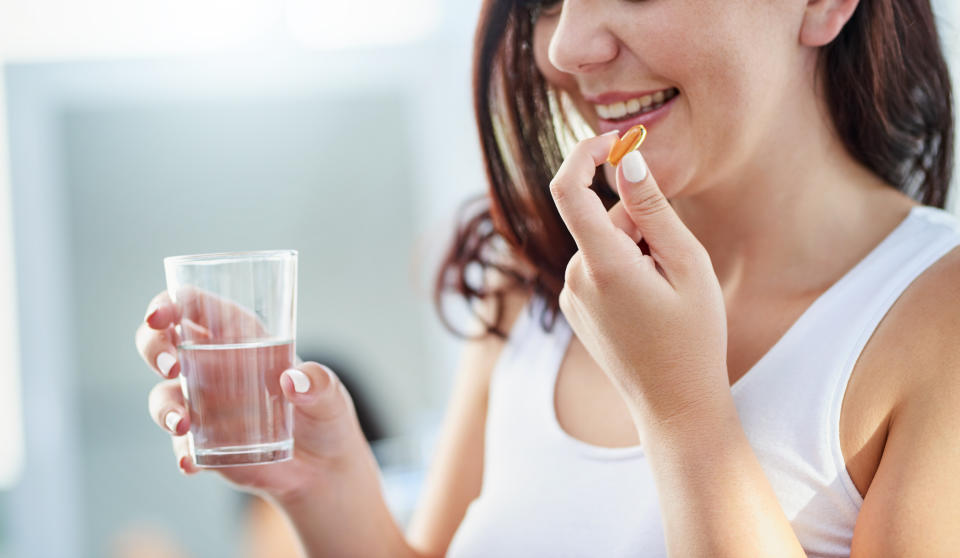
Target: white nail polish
172,420
634,167
165,362
301,383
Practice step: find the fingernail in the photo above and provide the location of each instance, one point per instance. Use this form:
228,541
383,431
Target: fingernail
634,167
611,132
301,383
151,312
182,464
165,362
172,420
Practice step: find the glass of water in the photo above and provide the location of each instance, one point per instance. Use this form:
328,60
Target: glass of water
235,335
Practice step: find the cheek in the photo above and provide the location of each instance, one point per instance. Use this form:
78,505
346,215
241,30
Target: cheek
720,76
732,64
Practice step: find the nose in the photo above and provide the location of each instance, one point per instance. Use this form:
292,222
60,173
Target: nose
581,40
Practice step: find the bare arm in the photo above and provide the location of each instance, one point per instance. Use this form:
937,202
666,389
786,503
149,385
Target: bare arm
344,513
457,467
353,489
715,498
912,505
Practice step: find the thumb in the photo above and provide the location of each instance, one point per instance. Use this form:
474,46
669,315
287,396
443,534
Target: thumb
325,422
671,243
322,404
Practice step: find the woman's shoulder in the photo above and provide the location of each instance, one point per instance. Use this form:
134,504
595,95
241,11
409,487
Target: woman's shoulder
916,343
928,321
917,482
919,333
914,353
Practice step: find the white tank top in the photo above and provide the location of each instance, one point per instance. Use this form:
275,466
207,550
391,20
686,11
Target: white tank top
547,494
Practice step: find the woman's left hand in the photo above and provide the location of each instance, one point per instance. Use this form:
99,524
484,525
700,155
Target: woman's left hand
656,324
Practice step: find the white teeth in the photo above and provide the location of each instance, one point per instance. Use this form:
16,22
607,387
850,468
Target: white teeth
635,106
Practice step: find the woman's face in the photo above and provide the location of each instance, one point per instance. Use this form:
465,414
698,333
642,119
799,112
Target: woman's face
736,68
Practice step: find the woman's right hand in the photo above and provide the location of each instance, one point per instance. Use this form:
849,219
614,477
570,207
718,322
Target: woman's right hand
327,434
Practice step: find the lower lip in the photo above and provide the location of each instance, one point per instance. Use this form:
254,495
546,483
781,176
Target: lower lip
648,119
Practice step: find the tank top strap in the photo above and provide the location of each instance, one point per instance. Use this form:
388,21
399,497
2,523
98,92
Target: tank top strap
803,379
933,233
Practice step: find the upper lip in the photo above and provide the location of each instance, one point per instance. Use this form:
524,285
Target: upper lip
611,97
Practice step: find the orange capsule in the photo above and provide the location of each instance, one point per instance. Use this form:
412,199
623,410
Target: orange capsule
630,141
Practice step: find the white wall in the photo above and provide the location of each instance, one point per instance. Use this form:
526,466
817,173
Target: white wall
11,435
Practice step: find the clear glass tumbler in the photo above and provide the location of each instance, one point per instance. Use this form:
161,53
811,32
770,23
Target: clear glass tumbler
236,335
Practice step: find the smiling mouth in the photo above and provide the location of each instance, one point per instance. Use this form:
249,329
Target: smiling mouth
632,108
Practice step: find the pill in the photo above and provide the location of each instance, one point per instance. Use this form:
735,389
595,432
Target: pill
630,141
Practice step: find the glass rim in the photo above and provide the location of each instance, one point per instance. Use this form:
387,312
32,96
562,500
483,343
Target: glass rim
214,257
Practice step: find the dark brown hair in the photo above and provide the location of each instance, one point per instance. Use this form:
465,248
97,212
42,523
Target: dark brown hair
886,83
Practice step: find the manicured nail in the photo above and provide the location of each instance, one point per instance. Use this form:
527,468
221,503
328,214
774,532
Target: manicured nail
151,312
634,167
611,132
301,383
165,362
172,420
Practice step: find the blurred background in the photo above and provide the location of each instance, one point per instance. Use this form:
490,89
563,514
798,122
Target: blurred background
131,130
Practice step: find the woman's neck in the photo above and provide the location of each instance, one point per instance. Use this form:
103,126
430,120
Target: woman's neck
795,219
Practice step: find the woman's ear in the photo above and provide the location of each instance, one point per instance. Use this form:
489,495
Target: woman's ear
823,20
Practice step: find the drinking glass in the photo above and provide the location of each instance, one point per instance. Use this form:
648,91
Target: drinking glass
235,336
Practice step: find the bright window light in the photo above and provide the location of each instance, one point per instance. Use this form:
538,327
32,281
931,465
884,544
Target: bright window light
11,422
329,24
67,29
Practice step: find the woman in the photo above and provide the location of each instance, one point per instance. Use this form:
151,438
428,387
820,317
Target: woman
762,366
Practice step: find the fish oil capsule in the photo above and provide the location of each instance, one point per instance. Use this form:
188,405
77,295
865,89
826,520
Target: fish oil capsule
630,141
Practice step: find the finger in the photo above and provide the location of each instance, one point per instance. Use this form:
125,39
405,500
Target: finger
168,408
194,308
314,390
158,349
621,219
195,332
580,208
325,420
181,450
205,315
671,243
161,312
195,304
189,311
